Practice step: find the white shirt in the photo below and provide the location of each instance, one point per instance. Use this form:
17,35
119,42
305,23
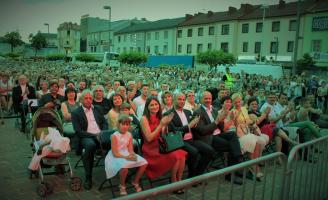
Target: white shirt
92,124
140,104
184,121
209,113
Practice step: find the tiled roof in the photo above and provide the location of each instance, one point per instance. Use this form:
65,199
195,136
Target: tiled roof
155,25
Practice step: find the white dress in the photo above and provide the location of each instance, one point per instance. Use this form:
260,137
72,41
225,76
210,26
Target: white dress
114,164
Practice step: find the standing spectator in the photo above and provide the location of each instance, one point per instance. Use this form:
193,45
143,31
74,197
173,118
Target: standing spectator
21,93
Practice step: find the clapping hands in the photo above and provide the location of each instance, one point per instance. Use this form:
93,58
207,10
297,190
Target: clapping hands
167,119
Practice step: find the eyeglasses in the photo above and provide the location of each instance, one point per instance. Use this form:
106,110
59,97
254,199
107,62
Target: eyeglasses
98,90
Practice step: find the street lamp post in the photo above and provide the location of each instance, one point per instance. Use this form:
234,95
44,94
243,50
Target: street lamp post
46,24
263,18
276,48
109,26
297,36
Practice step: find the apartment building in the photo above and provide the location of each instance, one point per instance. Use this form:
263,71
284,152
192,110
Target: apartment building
68,38
153,38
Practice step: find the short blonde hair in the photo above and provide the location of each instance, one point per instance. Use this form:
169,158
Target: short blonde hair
235,96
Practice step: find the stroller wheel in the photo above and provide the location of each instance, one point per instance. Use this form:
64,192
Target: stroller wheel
49,187
41,190
75,183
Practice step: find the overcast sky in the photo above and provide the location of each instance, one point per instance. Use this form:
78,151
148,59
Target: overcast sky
29,16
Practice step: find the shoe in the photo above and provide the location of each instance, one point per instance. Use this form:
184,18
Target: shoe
136,187
236,180
178,192
87,184
123,190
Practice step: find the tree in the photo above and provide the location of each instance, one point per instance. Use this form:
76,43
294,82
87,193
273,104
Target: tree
306,61
38,42
85,57
14,39
133,58
216,57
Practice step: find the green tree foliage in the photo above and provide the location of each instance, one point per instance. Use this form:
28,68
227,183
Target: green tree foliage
14,39
54,57
38,42
85,57
306,61
216,57
133,58
12,55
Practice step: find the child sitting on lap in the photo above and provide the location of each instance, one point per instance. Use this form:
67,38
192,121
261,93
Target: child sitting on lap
121,157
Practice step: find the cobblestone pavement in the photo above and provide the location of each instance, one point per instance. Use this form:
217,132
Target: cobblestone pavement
15,183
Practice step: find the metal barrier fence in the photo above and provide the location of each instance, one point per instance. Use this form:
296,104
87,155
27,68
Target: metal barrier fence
214,186
307,171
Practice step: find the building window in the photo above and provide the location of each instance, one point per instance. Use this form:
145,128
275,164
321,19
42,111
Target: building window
259,27
131,38
189,33
211,30
292,25
179,48
316,46
67,42
179,33
257,47
225,46
199,48
156,50
274,47
166,34
209,46
139,49
189,48
290,46
245,46
131,48
148,36
165,49
148,49
225,29
156,35
119,38
276,26
200,31
68,33
244,28
124,39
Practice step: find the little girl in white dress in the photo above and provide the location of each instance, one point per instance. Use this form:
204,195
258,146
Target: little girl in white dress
121,156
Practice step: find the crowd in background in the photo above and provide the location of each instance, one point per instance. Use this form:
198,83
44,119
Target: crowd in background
236,113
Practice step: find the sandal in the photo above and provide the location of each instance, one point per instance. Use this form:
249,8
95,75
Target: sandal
122,190
259,175
136,187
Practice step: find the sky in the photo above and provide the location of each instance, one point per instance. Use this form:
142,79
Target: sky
29,16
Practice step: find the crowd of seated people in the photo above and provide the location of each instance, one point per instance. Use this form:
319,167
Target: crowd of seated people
240,119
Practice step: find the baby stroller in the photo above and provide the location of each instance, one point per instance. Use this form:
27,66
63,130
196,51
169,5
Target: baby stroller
50,150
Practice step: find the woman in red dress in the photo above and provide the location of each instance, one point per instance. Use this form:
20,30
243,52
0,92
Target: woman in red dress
152,124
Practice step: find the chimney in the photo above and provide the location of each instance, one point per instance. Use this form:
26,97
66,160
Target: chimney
281,4
246,8
209,13
232,10
188,16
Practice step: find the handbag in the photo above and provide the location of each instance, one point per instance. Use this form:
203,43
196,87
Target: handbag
170,141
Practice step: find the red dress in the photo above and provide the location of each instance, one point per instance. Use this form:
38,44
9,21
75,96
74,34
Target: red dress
158,164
